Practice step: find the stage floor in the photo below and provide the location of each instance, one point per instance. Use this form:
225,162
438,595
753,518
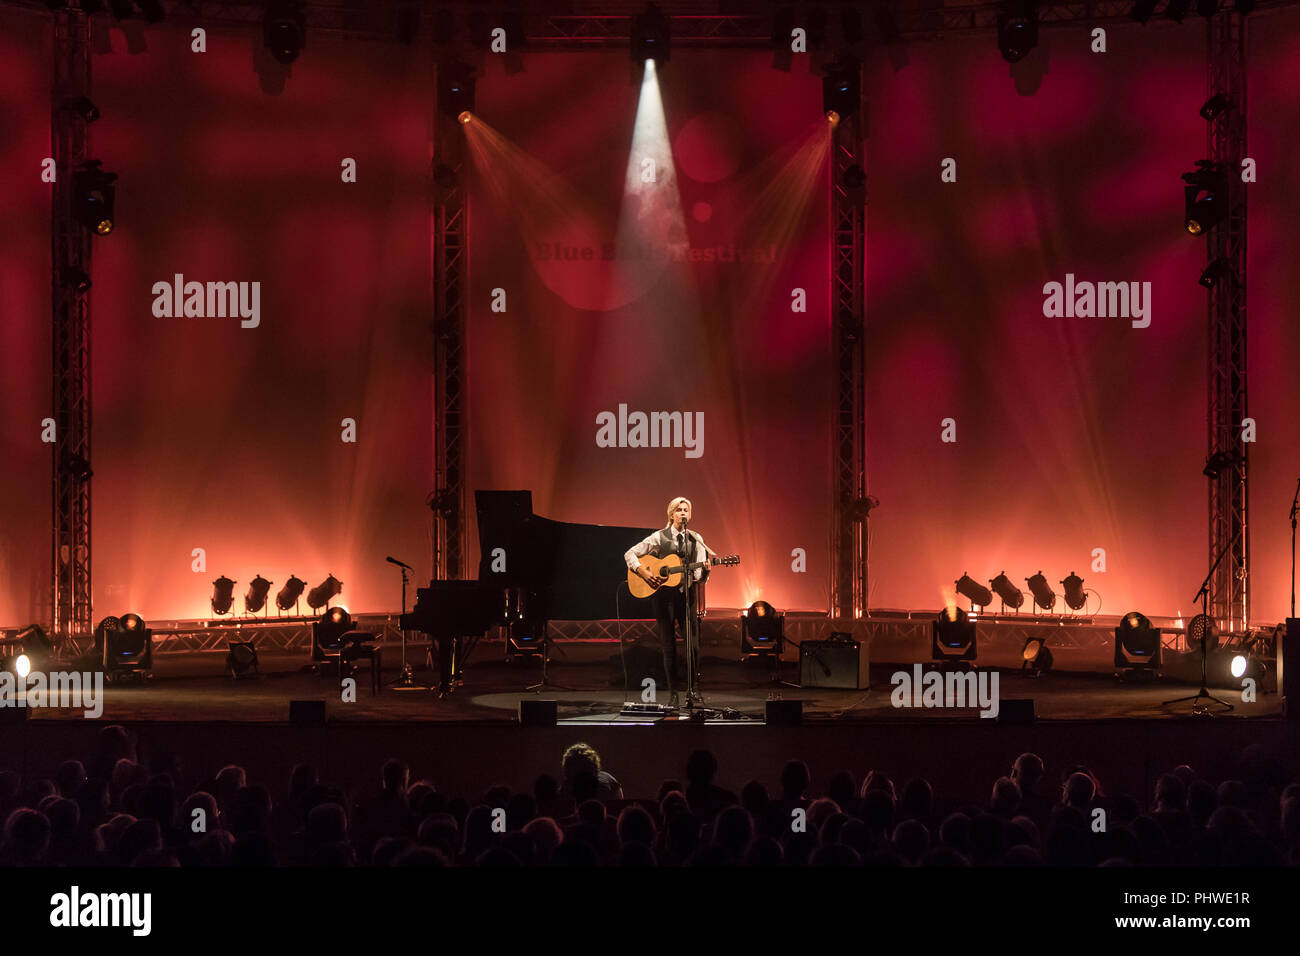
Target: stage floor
192,687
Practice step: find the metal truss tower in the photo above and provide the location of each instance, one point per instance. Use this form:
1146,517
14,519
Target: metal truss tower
70,257
450,266
848,585
1229,602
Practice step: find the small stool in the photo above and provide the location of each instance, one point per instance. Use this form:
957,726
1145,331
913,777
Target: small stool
356,649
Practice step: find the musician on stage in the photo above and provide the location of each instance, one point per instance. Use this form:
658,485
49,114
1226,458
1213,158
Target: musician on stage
670,602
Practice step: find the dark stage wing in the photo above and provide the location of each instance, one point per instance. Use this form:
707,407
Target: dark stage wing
571,572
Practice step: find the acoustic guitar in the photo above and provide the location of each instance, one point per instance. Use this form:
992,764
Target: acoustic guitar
671,569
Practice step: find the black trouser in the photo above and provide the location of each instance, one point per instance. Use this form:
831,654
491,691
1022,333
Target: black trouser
670,609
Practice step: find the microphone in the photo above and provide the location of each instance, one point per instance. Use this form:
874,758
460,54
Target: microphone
400,564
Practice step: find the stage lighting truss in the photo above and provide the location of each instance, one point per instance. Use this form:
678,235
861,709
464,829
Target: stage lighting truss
762,631
1044,596
1036,656
223,595
953,636
1137,648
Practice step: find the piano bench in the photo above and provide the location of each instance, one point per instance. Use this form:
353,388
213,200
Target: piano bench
357,651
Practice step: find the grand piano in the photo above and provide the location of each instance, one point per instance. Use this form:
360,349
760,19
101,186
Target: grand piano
532,570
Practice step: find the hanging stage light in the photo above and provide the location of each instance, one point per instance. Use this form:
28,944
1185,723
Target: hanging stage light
83,107
456,90
77,280
1036,656
94,197
953,636
1075,599
841,89
320,595
651,36
1204,197
1217,270
1017,29
1044,596
1215,105
288,595
973,591
1137,648
284,30
1007,593
1142,11
223,595
255,596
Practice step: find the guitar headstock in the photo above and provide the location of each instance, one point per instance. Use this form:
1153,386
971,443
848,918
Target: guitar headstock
730,559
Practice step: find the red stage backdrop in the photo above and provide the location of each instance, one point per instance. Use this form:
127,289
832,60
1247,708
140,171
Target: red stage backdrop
1072,434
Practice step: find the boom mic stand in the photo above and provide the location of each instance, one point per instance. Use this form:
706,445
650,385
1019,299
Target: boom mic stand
405,679
1203,595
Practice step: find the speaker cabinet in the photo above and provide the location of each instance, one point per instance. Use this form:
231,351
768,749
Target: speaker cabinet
838,664
537,713
784,713
307,713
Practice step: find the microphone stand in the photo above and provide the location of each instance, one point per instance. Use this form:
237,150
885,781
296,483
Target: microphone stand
689,629
405,679
1203,595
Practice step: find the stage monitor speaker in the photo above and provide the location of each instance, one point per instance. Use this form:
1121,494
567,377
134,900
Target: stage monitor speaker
784,713
1016,710
537,713
838,663
1288,669
307,713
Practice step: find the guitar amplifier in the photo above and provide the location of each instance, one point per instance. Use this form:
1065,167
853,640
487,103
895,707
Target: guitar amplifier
839,663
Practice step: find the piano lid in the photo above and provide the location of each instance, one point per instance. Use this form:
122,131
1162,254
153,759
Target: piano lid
575,570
